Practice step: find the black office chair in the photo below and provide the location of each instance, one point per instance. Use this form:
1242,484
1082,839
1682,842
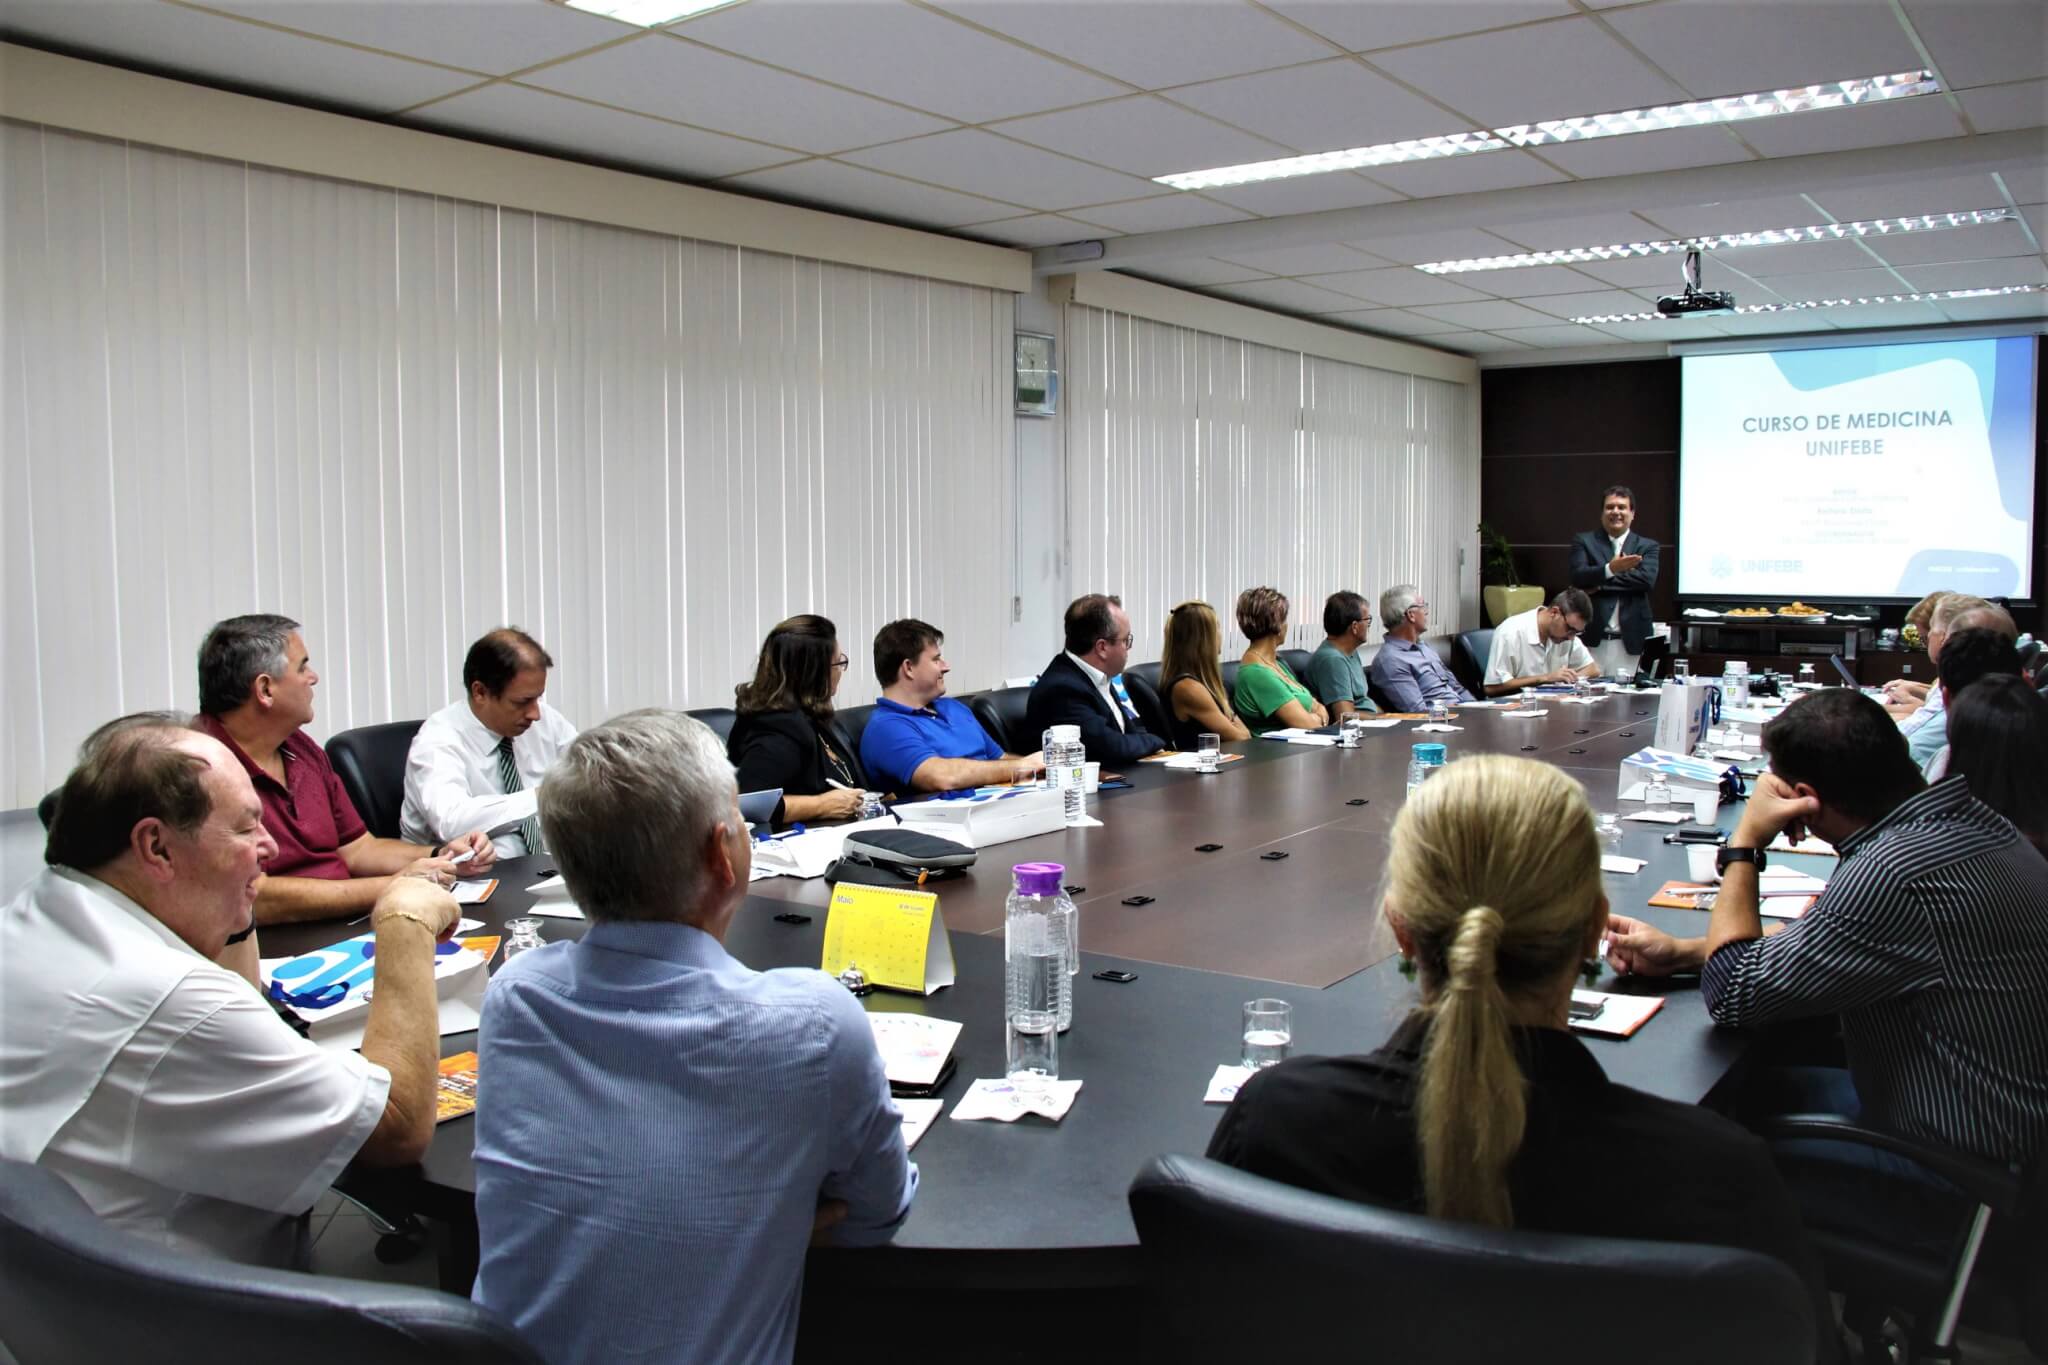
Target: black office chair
719,718
1149,672
1469,656
1999,1259
1001,713
853,720
1151,706
1229,670
46,809
1336,1280
370,762
1297,664
77,1289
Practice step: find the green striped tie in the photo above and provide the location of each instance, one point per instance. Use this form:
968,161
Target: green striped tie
508,778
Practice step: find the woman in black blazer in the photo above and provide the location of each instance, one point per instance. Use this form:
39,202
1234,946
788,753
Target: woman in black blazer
785,736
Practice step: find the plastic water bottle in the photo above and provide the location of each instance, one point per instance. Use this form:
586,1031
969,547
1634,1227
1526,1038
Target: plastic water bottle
1423,759
1657,796
1038,979
1064,755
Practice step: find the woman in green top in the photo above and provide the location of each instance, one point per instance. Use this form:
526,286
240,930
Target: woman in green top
1267,695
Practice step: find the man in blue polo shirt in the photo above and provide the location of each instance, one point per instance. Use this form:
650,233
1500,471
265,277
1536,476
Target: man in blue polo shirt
1406,671
920,739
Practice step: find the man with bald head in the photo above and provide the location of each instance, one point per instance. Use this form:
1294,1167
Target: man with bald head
137,1060
477,764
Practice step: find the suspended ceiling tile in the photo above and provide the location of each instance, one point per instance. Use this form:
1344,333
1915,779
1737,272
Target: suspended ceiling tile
1998,108
1133,40
1305,194
1467,174
982,163
1918,119
1977,274
1607,229
1452,244
1396,321
1523,75
2027,184
1362,27
1835,284
2026,308
1955,244
1888,315
1732,215
1477,343
1319,258
1196,272
1292,296
1983,42
1527,282
1565,335
1732,47
495,36
1943,194
1402,286
1801,258
1490,314
1322,107
228,52
833,184
554,123
1656,272
1161,213
1671,149
1038,229
1597,303
1143,135
691,84
900,52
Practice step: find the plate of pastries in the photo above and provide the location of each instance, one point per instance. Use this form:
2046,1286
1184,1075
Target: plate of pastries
1802,611
1746,613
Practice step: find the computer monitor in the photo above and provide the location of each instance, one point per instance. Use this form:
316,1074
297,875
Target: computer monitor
1656,654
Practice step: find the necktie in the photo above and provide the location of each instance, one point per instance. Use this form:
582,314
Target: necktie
508,778
1116,685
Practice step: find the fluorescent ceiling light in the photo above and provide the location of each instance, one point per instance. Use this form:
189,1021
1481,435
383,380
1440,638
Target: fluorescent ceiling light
1820,232
648,13
1731,109
1808,304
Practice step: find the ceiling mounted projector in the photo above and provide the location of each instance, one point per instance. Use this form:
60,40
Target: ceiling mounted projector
1696,302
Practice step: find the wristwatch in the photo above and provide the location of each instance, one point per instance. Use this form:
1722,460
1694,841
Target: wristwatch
1729,855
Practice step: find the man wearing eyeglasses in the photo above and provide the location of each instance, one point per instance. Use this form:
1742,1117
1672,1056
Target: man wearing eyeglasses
1407,672
1081,686
1542,645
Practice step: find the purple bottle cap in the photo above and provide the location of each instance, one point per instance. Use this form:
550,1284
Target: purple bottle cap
1039,879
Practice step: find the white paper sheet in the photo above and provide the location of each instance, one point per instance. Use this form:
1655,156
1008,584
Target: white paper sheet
1431,727
917,1118
1615,862
1620,1015
471,893
1224,1085
1003,1102
1316,741
914,1047
1811,844
1381,724
1529,715
1662,817
555,909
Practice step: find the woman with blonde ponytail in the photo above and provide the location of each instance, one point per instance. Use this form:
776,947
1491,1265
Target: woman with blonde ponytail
1483,1107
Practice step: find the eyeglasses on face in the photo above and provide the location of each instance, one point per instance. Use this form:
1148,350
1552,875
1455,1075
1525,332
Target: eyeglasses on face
841,662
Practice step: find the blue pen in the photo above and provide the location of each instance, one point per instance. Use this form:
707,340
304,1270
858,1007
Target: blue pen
789,833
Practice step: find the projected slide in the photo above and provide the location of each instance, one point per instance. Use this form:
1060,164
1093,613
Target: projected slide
1859,472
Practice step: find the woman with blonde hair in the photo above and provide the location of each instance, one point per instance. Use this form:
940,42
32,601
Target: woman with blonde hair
1482,1107
1194,684
1268,695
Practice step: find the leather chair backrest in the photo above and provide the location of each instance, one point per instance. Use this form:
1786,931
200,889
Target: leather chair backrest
1149,672
1469,657
370,762
1337,1280
1443,645
853,720
1001,712
1297,664
719,718
1151,708
1229,668
77,1289
46,809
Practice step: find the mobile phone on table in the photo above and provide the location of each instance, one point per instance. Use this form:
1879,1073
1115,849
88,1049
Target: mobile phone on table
1587,1009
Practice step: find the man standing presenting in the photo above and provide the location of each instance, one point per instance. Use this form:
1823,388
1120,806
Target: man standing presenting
1407,672
666,1129
477,763
919,739
1541,645
1079,687
256,696
137,1060
1618,567
1335,676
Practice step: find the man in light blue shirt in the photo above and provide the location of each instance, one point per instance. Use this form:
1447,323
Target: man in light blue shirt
1926,730
1407,672
661,1129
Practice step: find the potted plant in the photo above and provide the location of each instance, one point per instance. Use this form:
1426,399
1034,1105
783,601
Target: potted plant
1504,592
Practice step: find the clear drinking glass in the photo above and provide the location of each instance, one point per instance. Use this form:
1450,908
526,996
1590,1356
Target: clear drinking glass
1268,1032
1439,712
1348,731
1681,669
1208,752
525,934
1608,826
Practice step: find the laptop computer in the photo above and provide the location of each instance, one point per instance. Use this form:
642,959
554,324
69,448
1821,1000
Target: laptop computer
1656,654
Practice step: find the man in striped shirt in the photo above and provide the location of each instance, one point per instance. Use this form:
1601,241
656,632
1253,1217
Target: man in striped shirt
1930,942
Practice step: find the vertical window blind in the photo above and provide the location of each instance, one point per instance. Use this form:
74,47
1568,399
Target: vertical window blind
405,419
1198,466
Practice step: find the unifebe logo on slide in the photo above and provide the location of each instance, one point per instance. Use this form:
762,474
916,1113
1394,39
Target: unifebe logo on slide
1874,471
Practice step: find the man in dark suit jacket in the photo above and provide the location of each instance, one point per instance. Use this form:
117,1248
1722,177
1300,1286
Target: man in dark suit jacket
1078,686
1618,567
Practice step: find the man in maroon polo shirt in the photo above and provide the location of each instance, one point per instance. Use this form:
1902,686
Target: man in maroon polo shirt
256,696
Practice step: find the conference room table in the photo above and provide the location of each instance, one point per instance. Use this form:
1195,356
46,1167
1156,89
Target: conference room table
1034,1203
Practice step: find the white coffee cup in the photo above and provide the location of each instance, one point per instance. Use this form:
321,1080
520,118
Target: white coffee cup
1699,860
1091,776
1706,807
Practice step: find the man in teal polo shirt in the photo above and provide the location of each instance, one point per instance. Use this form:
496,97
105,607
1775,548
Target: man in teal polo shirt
920,739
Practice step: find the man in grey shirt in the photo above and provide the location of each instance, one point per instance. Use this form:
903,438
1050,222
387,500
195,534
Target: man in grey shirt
1335,675
1407,672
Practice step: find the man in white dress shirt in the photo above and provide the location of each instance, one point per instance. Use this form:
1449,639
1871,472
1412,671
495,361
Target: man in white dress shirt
1542,645
477,764
137,1060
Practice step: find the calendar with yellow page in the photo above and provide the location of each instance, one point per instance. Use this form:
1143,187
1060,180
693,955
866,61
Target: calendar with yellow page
896,937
